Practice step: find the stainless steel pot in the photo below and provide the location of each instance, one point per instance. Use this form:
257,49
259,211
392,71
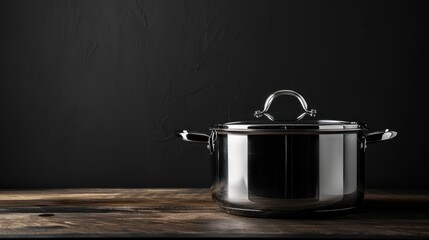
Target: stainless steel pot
287,168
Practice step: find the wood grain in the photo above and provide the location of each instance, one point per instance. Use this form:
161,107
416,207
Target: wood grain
191,212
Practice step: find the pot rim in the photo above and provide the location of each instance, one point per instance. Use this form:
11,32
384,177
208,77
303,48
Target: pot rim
291,127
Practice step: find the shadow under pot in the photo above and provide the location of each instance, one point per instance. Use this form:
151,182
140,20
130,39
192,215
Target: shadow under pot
273,168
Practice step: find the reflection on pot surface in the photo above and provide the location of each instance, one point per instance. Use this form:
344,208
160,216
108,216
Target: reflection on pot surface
288,172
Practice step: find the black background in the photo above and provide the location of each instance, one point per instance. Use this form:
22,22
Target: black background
92,92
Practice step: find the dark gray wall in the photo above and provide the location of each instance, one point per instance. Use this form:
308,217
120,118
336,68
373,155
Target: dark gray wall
92,92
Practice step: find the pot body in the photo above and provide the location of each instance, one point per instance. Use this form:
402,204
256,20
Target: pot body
288,173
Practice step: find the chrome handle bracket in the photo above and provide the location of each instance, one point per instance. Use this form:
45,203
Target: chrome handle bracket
270,99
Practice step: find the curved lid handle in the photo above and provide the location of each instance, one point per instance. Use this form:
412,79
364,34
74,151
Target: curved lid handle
270,99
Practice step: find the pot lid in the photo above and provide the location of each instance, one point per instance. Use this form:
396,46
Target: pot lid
266,122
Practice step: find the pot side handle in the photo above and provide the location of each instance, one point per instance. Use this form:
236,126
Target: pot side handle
195,137
380,136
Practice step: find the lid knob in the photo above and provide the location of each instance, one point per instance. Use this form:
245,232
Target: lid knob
259,113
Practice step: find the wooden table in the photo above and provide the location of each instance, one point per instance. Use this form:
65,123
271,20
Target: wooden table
191,213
